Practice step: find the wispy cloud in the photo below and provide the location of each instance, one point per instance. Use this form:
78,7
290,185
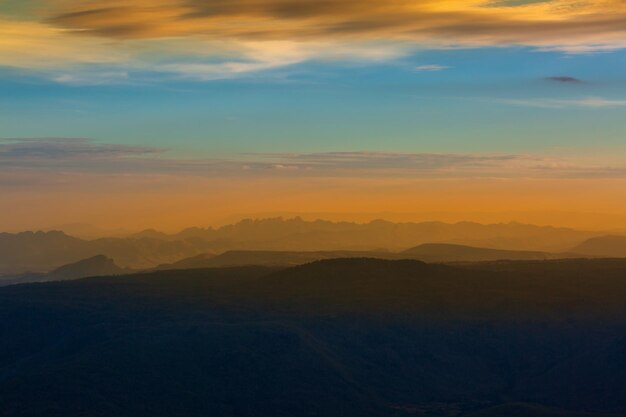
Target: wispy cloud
544,24
549,103
431,67
66,148
564,79
44,159
221,38
385,160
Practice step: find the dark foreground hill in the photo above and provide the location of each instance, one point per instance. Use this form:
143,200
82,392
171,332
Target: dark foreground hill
347,337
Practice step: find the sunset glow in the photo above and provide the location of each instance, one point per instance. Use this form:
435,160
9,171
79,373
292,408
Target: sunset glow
172,113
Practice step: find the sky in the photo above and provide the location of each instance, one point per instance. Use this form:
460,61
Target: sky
173,113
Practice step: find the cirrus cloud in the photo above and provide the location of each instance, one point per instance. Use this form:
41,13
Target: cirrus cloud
46,158
548,24
84,40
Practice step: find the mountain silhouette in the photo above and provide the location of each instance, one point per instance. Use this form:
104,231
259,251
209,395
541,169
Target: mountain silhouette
98,265
604,246
199,261
44,251
297,234
432,252
442,252
267,258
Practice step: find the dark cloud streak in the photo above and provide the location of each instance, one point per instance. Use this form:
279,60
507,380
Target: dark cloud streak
549,24
564,79
46,158
67,148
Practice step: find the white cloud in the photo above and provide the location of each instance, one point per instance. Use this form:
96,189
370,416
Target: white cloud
549,103
431,67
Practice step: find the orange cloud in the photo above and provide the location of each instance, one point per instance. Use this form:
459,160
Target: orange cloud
100,41
550,24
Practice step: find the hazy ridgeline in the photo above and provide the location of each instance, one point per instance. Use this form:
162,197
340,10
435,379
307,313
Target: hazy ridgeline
344,337
45,251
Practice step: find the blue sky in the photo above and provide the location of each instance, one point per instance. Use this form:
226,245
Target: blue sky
487,99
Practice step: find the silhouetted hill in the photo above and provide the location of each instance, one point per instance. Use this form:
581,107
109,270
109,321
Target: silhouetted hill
266,258
194,262
95,266
407,286
434,252
346,337
39,251
151,234
441,252
604,246
44,251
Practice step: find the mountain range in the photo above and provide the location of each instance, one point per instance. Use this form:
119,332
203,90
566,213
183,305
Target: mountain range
428,252
44,251
300,235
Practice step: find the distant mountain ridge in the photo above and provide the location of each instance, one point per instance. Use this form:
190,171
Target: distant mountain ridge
95,266
440,252
298,234
267,258
430,252
44,251
98,265
610,246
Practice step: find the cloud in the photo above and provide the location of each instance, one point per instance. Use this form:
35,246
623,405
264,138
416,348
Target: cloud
564,79
339,161
66,149
431,67
77,154
222,38
63,160
549,103
79,58
556,23
36,45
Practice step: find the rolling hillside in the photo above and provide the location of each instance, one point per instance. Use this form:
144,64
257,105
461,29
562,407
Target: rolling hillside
603,246
346,337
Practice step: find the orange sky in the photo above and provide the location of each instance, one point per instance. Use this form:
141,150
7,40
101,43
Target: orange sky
178,202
